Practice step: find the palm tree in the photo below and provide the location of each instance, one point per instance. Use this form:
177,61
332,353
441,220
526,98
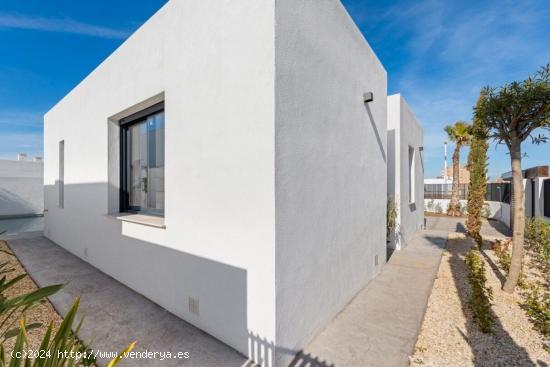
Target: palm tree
460,134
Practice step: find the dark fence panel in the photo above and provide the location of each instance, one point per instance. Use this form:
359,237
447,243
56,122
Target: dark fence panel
444,191
547,198
499,192
495,192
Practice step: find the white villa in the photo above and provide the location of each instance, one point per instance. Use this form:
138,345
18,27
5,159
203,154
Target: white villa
230,162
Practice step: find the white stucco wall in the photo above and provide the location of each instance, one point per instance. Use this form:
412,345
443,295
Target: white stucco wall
213,63
539,196
496,210
21,188
404,132
330,166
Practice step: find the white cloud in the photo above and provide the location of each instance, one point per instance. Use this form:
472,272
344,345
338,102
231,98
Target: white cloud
63,25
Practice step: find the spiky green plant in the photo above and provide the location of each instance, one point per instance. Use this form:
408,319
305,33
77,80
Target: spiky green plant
63,349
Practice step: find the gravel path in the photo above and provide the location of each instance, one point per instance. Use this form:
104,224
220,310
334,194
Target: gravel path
449,338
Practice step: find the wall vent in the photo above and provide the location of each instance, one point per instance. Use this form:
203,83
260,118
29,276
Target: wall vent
375,260
194,306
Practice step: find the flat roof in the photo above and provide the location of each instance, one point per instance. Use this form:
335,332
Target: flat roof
533,172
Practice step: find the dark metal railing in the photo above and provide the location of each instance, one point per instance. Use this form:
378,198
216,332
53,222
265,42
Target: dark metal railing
444,191
495,192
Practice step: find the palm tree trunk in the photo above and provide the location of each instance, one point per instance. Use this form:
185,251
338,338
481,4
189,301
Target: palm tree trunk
518,216
454,205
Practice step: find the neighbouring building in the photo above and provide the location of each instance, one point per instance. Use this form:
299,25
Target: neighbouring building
21,188
463,174
228,162
405,169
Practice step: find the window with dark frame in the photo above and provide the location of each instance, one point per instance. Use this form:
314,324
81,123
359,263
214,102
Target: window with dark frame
142,162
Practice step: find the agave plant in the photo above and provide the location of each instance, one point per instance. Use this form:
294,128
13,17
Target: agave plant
19,304
62,349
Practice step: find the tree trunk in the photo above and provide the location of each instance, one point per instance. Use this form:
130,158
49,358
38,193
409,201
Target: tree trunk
454,205
518,217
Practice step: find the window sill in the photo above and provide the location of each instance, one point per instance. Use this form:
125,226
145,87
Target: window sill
146,220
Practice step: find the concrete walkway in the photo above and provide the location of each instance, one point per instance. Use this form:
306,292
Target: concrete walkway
380,326
114,314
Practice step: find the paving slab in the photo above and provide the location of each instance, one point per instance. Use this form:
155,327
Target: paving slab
114,314
381,324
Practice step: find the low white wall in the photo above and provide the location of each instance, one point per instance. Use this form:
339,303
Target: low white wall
497,210
21,188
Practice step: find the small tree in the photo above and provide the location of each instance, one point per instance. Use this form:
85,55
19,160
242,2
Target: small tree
460,134
513,113
477,165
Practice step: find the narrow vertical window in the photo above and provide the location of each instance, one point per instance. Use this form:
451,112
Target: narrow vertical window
61,179
142,162
411,175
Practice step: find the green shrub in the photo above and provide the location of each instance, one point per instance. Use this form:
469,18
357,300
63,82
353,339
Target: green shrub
430,205
391,218
481,294
537,239
537,307
486,211
502,250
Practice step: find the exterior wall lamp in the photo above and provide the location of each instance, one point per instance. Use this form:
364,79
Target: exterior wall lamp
368,97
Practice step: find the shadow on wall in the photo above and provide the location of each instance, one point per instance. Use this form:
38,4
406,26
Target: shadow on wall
262,351
12,204
378,139
210,295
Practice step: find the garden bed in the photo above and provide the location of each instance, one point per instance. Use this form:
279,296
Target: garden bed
43,313
449,337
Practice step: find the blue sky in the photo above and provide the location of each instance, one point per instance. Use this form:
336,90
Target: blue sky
438,54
